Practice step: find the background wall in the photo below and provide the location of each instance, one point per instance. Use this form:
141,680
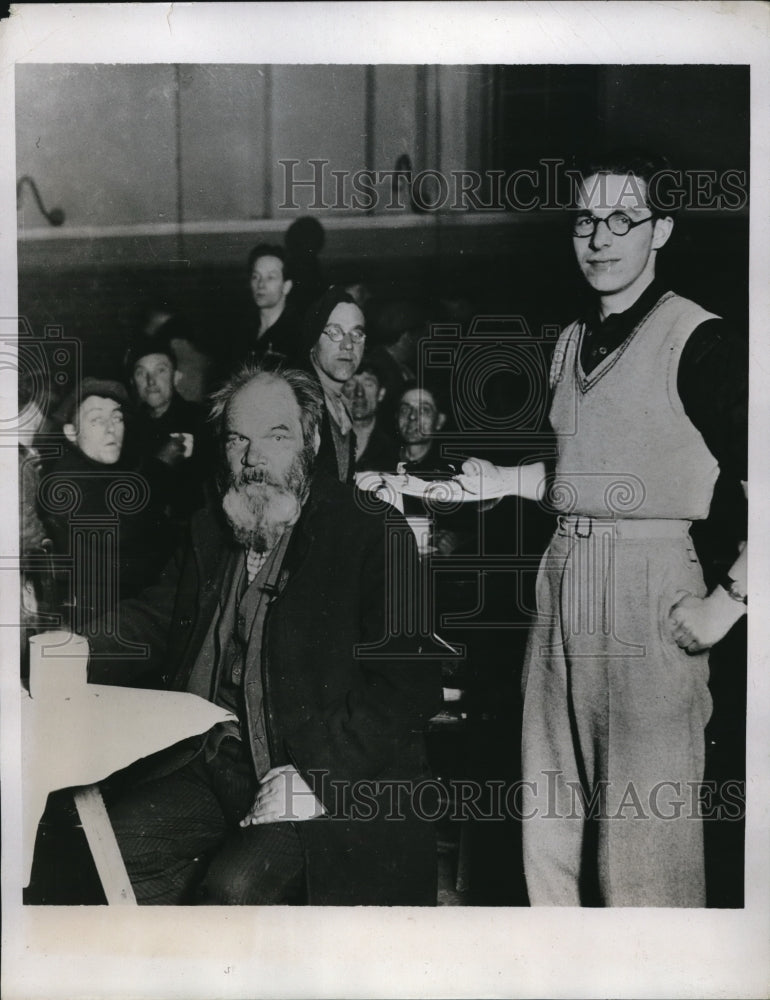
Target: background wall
168,174
147,145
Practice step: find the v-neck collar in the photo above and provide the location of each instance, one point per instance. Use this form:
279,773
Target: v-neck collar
586,382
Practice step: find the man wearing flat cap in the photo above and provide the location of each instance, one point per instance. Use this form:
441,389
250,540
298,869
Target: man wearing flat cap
100,512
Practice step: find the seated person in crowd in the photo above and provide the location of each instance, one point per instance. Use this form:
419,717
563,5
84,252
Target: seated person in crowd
420,416
37,581
397,326
419,419
332,347
268,612
360,292
376,450
159,320
33,533
192,364
272,326
90,490
168,434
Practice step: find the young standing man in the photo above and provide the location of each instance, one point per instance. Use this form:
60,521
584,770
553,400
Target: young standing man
274,333
649,403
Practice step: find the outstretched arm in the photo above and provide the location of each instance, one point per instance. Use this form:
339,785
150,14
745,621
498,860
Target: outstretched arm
482,478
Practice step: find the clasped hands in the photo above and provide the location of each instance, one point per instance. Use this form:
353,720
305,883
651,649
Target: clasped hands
283,797
697,623
177,447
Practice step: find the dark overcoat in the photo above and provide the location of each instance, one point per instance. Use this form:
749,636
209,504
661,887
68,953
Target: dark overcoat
347,689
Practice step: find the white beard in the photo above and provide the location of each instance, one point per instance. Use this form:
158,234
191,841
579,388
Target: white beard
259,508
259,514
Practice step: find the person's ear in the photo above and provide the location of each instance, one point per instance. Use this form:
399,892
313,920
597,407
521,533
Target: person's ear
287,286
440,421
316,441
381,394
70,433
176,378
661,231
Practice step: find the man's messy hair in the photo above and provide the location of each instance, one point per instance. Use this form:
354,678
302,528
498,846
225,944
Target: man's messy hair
634,161
305,387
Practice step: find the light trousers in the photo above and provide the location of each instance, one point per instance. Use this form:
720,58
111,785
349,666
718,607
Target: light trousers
613,732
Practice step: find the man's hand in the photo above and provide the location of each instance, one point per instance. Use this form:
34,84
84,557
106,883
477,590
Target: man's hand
485,480
479,476
283,797
697,623
446,542
172,451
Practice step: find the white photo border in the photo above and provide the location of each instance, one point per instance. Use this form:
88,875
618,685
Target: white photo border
182,952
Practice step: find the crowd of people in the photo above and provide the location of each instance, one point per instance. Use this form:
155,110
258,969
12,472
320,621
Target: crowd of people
233,542
141,436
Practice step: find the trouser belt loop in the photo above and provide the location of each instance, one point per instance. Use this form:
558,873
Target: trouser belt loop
576,524
584,526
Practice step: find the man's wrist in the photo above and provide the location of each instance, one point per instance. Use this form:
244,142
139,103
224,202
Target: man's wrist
733,589
728,609
511,479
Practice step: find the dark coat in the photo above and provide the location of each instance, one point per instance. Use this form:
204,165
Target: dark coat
327,453
101,497
340,715
280,342
380,454
177,489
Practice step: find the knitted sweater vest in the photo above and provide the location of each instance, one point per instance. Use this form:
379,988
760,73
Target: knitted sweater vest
626,446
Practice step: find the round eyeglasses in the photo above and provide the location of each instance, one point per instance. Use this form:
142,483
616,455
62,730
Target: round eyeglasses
336,334
584,224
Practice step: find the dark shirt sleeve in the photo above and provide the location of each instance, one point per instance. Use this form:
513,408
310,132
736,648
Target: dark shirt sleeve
713,385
